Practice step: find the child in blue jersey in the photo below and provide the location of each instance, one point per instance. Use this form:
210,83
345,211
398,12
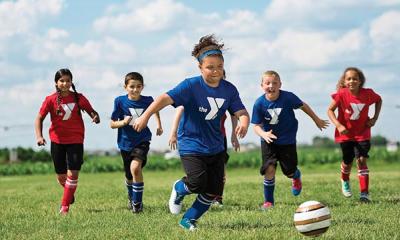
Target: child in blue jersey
133,145
205,99
275,122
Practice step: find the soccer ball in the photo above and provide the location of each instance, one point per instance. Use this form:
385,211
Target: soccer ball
312,218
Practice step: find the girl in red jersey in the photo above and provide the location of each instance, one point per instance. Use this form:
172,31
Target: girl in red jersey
66,132
353,126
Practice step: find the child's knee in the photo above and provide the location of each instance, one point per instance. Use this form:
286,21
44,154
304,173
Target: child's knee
62,178
197,184
362,161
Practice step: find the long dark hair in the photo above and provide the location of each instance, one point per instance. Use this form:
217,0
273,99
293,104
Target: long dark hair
58,75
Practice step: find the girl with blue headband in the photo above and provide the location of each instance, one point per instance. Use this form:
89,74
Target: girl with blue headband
205,99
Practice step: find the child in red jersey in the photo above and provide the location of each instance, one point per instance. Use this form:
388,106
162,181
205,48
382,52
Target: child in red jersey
353,126
66,132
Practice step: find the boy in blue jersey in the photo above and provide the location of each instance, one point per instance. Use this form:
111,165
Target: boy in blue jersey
133,145
275,122
205,99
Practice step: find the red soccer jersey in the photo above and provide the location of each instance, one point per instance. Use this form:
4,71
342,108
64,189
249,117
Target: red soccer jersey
353,113
67,127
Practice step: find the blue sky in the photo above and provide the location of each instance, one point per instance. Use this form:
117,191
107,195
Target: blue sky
308,42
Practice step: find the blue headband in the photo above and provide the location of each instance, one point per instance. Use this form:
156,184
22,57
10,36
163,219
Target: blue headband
208,53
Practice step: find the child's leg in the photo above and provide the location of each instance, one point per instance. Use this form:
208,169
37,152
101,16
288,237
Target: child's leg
345,170
269,184
61,179
363,174
348,153
137,182
70,187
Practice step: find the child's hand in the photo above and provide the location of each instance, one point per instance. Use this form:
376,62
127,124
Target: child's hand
240,131
269,136
172,142
235,142
127,120
41,141
159,131
322,124
371,122
95,117
140,123
342,130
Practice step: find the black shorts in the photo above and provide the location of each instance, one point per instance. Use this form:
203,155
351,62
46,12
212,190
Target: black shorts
138,152
66,156
226,150
353,149
204,174
285,154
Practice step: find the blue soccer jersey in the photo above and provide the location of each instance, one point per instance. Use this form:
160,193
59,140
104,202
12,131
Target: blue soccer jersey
199,130
279,116
128,138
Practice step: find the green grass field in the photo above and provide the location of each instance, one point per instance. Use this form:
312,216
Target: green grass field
29,208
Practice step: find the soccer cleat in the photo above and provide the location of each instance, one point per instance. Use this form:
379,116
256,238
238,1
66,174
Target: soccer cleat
137,207
218,202
296,186
267,205
346,190
64,210
364,197
175,200
188,224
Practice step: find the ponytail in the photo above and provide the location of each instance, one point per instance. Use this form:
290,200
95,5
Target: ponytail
76,96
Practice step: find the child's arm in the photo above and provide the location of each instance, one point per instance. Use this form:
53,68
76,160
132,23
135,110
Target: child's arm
161,102
234,139
120,123
244,119
39,130
95,117
173,139
332,116
321,124
371,122
267,136
159,126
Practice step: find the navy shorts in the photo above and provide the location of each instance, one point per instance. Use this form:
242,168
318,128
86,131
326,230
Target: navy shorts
353,149
204,174
66,156
286,155
138,152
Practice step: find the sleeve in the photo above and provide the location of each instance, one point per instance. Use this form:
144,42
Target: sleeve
85,104
116,113
374,97
180,94
336,96
45,108
295,101
256,116
236,103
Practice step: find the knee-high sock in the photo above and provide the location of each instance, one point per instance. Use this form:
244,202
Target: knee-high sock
69,190
181,188
129,189
363,177
269,187
199,207
345,170
137,189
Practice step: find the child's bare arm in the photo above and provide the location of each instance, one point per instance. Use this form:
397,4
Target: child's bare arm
332,116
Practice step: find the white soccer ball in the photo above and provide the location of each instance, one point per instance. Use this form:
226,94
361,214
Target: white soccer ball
312,218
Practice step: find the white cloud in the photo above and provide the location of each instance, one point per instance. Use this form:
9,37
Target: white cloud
241,21
314,49
154,16
384,35
21,16
108,50
48,47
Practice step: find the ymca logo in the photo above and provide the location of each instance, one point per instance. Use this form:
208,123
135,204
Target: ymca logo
68,110
274,112
356,110
135,112
215,104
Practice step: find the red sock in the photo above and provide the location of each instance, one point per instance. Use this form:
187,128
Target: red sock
69,190
363,177
345,169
